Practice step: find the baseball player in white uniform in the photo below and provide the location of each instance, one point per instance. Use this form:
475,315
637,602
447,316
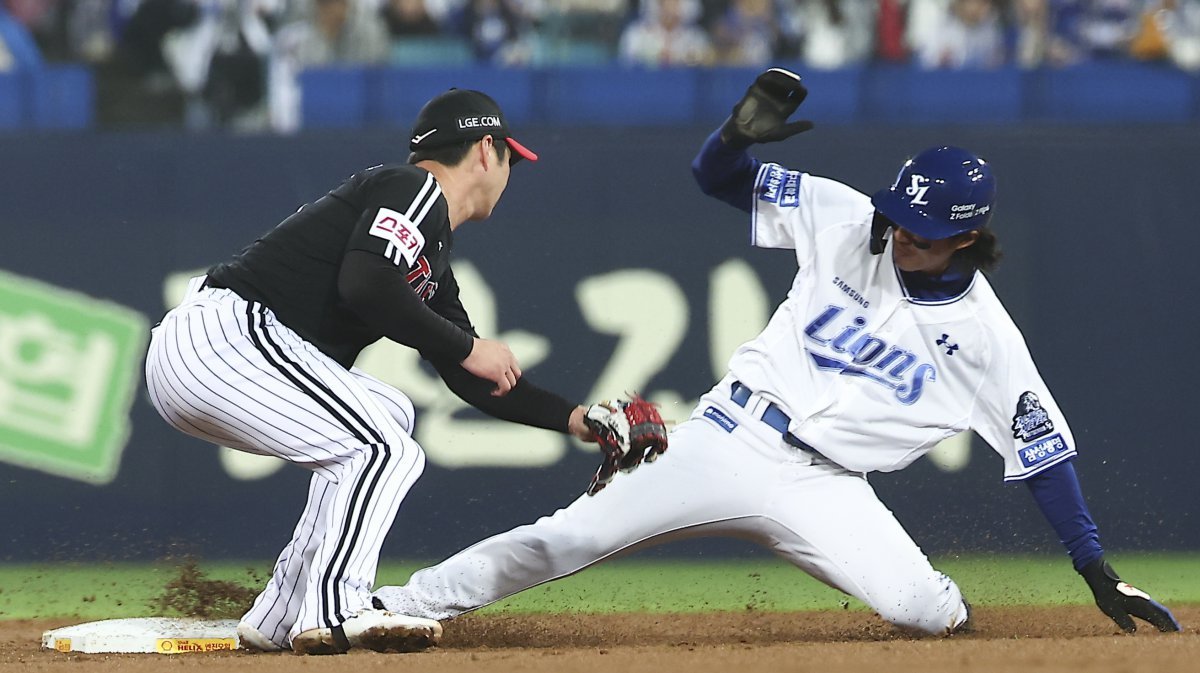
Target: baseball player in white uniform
889,341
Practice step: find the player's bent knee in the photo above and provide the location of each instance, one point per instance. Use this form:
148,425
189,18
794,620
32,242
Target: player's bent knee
939,611
936,623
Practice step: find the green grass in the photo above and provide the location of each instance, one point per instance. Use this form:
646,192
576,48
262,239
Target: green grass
129,590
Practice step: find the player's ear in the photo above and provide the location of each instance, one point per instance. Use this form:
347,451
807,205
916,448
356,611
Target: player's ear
487,152
966,239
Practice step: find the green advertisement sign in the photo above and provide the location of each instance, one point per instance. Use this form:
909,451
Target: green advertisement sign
69,366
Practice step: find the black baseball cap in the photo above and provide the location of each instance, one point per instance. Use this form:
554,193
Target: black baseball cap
460,115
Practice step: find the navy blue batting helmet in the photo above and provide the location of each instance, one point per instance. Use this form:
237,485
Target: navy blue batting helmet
941,192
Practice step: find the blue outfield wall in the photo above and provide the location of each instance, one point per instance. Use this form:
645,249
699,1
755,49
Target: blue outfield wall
62,97
603,246
356,97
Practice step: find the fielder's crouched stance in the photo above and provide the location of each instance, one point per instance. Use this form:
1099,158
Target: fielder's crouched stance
890,340
259,357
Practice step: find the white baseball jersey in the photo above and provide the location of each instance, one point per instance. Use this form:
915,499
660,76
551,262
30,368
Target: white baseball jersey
871,376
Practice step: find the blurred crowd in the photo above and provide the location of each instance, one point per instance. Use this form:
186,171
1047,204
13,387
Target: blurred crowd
234,63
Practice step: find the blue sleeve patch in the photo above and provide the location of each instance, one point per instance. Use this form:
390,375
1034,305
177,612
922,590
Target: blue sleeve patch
790,197
772,183
713,414
1045,450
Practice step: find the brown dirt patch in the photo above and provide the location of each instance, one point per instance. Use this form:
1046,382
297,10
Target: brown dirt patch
1005,639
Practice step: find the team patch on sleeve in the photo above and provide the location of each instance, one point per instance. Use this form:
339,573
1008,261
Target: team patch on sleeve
404,239
1031,420
780,186
1045,450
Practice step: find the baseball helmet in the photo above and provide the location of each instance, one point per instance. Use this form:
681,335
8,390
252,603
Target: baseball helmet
941,192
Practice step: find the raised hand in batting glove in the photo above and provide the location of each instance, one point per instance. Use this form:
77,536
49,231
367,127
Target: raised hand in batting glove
1122,602
628,433
761,116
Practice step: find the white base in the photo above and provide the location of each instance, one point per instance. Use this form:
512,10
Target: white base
162,635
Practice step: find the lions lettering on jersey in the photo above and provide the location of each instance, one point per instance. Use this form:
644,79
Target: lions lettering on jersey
870,356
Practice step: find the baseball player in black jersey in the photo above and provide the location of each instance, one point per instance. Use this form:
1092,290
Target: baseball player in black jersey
259,357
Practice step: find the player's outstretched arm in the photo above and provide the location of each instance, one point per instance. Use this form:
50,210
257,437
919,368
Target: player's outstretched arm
723,168
1122,601
1060,498
726,174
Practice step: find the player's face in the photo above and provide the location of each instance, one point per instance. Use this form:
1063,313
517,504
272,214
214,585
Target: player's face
913,253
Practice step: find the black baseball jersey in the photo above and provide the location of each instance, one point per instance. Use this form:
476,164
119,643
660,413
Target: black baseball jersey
396,212
371,259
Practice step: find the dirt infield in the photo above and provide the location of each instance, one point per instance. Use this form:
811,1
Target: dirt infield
1005,639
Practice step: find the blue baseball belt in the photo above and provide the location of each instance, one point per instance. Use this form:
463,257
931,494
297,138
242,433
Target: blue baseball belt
774,417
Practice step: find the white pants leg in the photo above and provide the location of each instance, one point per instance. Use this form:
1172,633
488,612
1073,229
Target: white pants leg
746,483
278,606
224,370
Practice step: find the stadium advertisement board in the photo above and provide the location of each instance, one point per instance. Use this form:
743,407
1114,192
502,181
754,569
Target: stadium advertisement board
606,271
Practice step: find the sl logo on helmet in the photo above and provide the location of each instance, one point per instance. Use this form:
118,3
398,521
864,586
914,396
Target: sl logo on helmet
917,189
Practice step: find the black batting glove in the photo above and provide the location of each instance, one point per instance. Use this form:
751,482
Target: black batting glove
1122,602
761,116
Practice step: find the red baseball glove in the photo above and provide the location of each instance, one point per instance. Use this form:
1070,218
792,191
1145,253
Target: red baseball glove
628,433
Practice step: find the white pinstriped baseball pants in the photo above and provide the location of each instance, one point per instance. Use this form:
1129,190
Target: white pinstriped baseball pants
225,370
745,483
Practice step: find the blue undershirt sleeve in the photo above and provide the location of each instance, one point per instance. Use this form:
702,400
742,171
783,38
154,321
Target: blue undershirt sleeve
726,174
1059,497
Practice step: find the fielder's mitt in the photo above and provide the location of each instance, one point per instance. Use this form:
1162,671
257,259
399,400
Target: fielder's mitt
628,433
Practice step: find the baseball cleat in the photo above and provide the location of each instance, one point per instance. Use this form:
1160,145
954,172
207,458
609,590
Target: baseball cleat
966,625
252,639
377,630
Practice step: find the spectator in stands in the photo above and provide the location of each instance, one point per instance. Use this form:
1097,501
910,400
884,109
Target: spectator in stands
1168,30
337,32
496,30
923,19
445,11
409,18
224,66
1180,23
40,18
890,24
665,33
747,33
90,30
1084,30
1031,32
969,36
837,33
18,51
143,35
594,21
136,86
